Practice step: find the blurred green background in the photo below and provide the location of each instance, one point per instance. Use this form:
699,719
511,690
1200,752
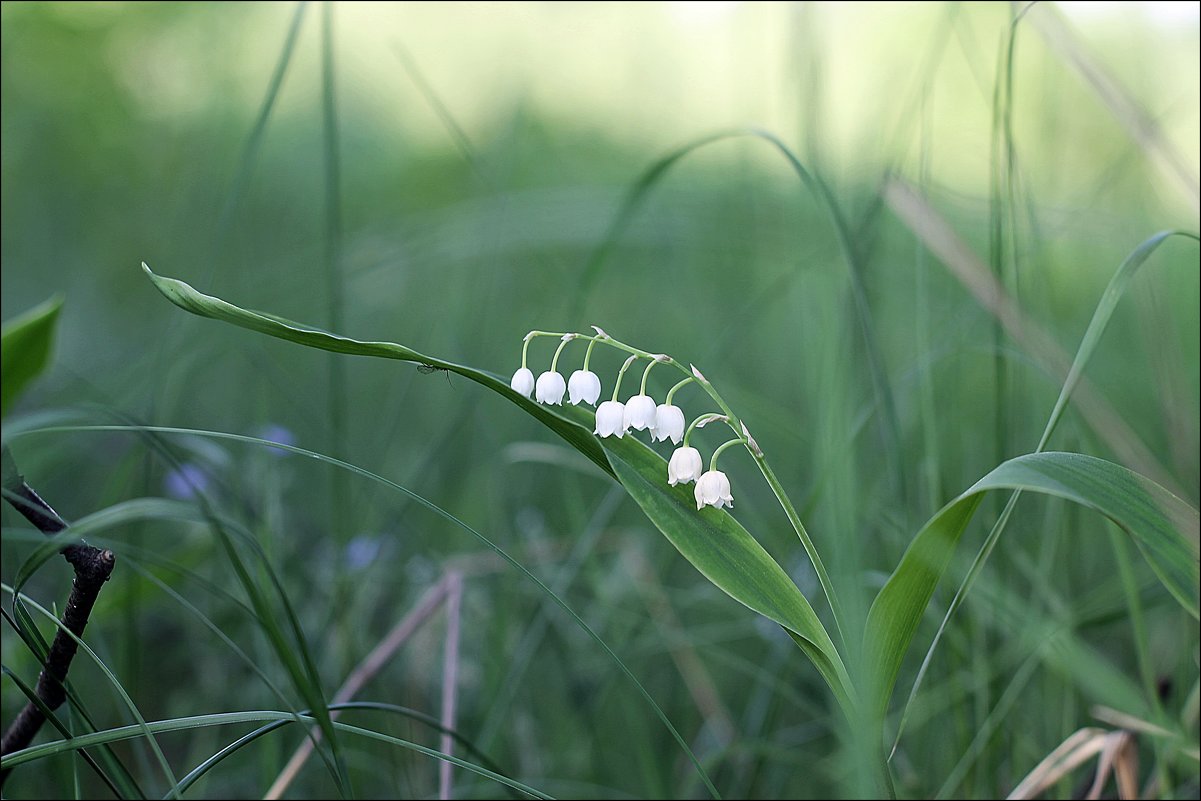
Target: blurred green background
483,151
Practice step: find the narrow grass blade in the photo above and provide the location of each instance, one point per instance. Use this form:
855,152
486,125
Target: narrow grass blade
254,142
229,718
1114,292
54,721
204,767
813,182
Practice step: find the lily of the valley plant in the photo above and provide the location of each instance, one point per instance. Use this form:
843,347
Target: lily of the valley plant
614,418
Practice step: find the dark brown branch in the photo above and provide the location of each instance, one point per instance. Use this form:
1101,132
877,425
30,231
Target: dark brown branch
92,567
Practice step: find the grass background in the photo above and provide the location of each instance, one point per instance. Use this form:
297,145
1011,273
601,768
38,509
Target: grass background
483,152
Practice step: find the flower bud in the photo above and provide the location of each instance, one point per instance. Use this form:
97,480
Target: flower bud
584,385
669,424
640,413
610,419
713,489
685,466
551,387
523,382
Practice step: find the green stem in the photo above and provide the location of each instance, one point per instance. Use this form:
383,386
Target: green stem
645,373
671,393
703,420
786,503
588,353
721,448
621,374
554,363
608,340
525,348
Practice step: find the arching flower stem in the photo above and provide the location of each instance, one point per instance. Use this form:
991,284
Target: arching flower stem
647,372
721,448
671,393
621,374
700,422
588,353
554,363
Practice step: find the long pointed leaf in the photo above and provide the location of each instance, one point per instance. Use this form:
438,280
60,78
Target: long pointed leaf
713,541
1164,527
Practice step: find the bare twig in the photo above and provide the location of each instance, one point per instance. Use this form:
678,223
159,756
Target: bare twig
364,672
450,677
93,567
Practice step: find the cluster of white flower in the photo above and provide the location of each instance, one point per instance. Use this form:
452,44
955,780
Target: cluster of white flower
663,422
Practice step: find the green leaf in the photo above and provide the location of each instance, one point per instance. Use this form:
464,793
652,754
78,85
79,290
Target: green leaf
1164,527
189,299
713,541
725,553
25,348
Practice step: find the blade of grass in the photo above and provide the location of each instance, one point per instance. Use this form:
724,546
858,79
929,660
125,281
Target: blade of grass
450,676
944,243
336,416
813,182
48,713
254,141
229,718
211,762
1002,247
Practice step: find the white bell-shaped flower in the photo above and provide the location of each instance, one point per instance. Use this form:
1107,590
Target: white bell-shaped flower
684,466
523,382
610,419
550,389
713,489
584,385
669,424
640,413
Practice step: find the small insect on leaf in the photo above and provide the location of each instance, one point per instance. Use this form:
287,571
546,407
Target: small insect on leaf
427,369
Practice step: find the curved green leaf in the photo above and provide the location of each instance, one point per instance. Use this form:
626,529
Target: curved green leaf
1092,336
25,348
713,541
725,553
1164,527
187,298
